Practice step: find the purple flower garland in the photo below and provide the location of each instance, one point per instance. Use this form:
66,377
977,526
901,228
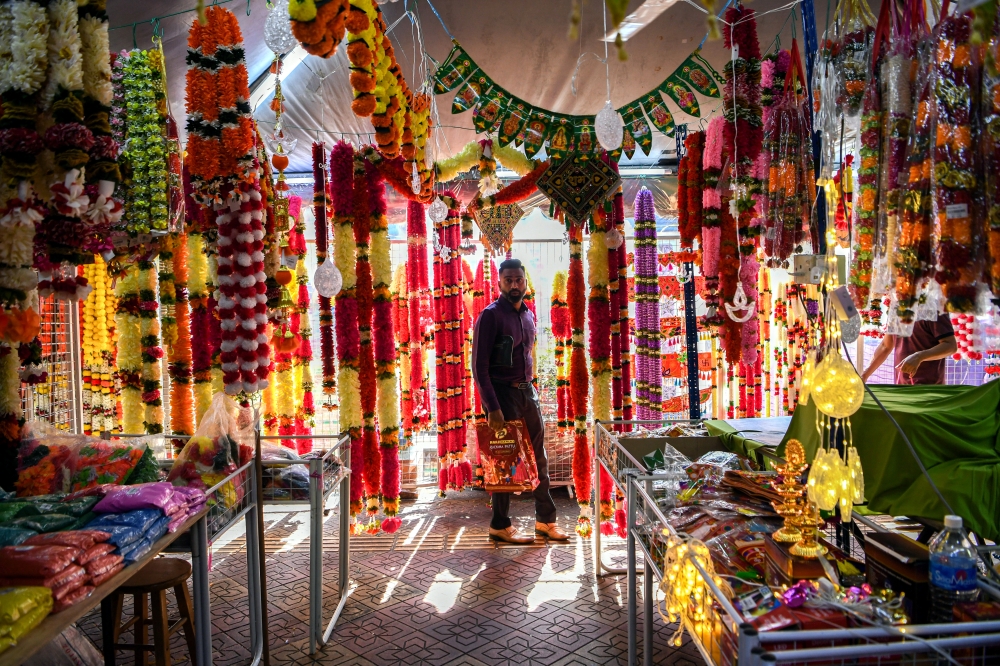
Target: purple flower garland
647,310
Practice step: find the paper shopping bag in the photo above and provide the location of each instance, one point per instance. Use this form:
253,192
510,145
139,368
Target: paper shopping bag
507,457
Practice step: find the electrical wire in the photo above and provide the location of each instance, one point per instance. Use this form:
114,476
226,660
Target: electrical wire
906,439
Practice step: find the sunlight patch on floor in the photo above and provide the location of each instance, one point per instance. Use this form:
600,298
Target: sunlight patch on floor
558,586
444,591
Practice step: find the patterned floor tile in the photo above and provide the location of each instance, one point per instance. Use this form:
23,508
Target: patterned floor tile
414,648
519,647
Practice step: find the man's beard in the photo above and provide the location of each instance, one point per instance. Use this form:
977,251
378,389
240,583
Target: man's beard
513,296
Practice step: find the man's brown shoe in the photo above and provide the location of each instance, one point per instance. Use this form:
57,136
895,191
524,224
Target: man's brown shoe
511,535
551,531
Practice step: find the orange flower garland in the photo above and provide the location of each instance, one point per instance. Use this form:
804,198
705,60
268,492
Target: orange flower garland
319,26
179,351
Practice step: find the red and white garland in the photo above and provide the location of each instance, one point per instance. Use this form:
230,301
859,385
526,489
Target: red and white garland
576,297
450,373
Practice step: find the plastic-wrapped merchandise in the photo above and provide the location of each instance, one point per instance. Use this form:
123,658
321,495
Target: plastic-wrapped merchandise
11,510
73,573
95,551
713,465
213,453
959,253
144,496
70,583
99,462
135,550
13,536
72,598
103,564
49,522
15,602
100,579
913,237
852,54
76,507
19,629
82,539
44,460
141,519
122,535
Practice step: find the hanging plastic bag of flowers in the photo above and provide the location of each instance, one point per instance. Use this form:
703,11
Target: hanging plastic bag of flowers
791,185
856,32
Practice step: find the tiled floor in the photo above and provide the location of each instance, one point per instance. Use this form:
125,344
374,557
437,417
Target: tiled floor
437,592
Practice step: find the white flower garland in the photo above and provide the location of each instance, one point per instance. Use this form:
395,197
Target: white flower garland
65,59
96,63
28,40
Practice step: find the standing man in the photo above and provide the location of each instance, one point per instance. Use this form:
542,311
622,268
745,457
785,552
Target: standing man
503,368
920,358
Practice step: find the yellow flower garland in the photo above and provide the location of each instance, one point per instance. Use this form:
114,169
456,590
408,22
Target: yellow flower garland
508,157
348,381
198,290
600,369
99,398
129,352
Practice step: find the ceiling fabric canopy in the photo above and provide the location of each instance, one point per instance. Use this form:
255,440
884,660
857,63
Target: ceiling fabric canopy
520,44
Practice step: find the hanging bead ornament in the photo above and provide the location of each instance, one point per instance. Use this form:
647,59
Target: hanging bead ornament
328,279
278,29
613,239
415,182
850,329
437,211
610,127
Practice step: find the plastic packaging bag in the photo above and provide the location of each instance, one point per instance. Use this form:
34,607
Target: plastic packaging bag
11,510
103,564
72,598
100,579
44,459
141,519
41,561
95,551
145,496
13,536
26,623
98,462
49,522
15,602
213,453
70,583
82,539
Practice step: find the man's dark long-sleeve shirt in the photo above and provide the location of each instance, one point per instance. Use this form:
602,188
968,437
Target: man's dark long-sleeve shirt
499,318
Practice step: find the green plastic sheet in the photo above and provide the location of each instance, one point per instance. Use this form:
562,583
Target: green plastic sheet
956,432
744,436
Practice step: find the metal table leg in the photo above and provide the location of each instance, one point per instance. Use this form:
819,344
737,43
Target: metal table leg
647,612
257,637
315,553
631,593
202,605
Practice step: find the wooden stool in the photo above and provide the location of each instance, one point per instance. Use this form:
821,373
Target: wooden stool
154,580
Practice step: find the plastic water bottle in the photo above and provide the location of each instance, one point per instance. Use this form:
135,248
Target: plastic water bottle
953,569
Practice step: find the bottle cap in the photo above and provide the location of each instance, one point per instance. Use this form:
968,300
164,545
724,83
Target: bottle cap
953,522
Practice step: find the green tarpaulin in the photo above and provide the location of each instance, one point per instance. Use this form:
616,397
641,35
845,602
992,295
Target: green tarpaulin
744,436
956,432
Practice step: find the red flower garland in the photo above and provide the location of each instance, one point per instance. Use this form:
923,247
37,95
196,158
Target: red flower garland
448,313
576,297
416,286
561,331
371,456
691,230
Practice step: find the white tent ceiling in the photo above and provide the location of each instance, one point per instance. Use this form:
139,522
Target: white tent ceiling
521,44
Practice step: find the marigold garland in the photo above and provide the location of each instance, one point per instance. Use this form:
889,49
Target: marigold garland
562,332
450,373
179,353
913,240
600,328
384,344
401,326
24,34
99,395
318,25
129,357
348,336
576,297
691,212
960,240
418,312
991,155
867,208
201,353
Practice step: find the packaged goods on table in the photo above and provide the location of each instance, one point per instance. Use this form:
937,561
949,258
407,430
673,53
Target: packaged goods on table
50,566
213,453
21,610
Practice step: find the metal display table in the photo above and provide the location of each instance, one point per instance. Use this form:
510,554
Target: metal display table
723,637
326,473
618,462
